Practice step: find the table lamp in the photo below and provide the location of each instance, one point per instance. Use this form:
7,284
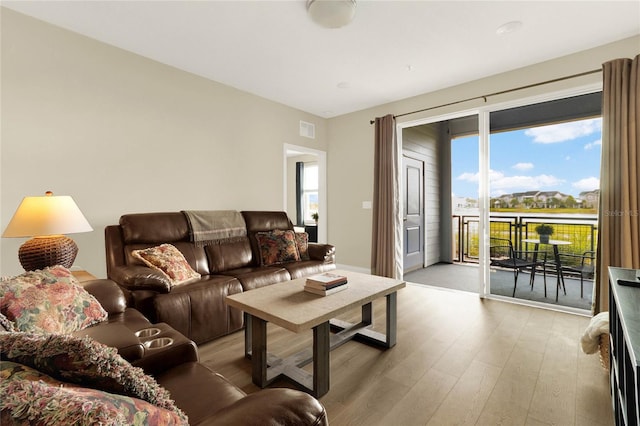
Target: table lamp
46,218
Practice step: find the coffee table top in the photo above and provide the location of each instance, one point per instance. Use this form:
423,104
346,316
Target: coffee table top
289,306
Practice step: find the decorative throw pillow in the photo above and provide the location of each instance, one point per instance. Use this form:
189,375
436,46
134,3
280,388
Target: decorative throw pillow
6,324
30,396
302,243
85,362
50,300
169,261
278,246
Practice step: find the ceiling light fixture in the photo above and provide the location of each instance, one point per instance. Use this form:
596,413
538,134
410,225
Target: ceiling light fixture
331,13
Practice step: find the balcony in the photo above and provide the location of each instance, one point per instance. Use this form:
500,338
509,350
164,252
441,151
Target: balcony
578,231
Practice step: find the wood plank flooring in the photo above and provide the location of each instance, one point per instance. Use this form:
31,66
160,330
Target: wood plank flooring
459,360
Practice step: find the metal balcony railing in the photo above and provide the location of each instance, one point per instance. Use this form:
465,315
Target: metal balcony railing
580,230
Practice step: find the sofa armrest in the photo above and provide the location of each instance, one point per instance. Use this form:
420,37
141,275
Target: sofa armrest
274,406
138,277
324,252
109,295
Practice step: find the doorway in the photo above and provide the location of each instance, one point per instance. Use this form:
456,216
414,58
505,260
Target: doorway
482,129
293,154
427,186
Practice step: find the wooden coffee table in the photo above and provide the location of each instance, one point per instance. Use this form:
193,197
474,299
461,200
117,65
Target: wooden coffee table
287,305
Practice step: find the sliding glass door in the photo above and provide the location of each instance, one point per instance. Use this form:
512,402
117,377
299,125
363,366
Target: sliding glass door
543,175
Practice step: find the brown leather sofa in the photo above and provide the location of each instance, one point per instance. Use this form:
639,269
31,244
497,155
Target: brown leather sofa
206,397
198,309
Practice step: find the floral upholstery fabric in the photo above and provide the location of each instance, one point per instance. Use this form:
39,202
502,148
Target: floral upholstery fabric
50,300
168,260
85,362
6,324
278,246
302,243
31,396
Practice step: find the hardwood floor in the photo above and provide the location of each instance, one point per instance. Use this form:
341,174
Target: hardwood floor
459,361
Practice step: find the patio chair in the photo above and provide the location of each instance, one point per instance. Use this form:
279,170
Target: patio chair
583,265
503,255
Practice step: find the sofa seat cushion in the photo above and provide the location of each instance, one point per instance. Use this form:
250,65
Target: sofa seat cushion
116,336
33,397
131,318
305,268
256,277
199,310
186,383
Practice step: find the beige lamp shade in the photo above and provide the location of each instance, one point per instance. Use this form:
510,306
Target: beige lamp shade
46,218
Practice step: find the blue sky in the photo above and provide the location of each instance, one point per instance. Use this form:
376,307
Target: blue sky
563,157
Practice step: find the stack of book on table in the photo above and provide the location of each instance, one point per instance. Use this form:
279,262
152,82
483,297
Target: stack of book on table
326,284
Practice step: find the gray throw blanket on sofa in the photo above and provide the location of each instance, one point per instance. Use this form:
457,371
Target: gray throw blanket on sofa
215,226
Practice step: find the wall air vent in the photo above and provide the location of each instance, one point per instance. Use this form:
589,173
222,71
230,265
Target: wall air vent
308,130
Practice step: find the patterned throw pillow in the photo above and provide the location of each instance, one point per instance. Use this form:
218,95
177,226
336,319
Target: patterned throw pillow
278,246
302,243
30,396
50,300
6,324
169,261
85,362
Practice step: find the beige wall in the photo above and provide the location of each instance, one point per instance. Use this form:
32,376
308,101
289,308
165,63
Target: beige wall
121,133
350,165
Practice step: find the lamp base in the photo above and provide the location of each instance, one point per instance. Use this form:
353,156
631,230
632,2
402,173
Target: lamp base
41,252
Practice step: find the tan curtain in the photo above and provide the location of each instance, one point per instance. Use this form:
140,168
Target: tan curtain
619,214
386,253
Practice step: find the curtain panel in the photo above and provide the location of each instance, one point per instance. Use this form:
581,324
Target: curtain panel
619,212
386,250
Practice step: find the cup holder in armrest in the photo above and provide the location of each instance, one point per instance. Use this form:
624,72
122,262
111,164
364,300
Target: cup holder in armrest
147,332
161,342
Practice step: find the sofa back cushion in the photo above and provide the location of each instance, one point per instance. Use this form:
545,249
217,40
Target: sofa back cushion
144,230
264,221
229,256
154,228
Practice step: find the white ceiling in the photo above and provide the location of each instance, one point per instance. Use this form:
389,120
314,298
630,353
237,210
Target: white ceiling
392,50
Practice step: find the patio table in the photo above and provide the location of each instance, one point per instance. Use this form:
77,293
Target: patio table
556,256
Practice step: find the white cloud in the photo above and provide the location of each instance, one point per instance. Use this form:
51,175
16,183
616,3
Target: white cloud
522,166
593,144
469,177
564,131
587,184
501,183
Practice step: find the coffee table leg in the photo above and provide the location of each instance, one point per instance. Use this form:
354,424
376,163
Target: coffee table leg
367,314
247,335
259,351
392,319
321,359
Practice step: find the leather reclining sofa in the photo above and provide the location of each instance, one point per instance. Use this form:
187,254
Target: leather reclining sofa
198,309
205,397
